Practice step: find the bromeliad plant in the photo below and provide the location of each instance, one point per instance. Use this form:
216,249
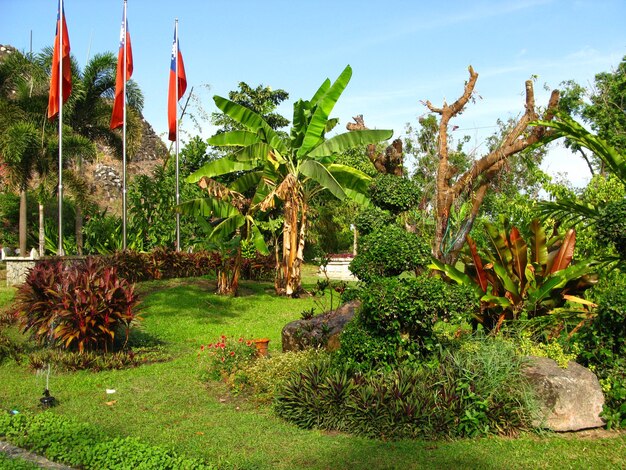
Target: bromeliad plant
290,169
519,279
80,307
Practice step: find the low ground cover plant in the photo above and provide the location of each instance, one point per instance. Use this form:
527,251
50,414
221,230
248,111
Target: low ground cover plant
82,445
476,390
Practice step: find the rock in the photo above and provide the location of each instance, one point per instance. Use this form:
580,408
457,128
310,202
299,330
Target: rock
569,399
321,330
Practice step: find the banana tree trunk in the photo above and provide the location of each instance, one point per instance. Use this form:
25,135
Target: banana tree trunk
289,282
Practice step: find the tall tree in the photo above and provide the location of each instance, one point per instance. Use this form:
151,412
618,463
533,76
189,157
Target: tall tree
475,182
292,169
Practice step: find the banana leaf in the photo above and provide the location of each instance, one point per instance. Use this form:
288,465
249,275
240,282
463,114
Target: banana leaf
324,106
318,172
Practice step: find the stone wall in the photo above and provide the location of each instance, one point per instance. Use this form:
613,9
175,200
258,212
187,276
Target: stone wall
17,270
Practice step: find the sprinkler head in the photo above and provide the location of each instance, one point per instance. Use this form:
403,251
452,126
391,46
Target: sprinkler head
47,401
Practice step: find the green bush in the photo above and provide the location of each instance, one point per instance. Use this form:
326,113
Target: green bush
262,378
224,358
85,446
410,307
480,391
371,219
8,463
389,252
603,345
394,193
611,226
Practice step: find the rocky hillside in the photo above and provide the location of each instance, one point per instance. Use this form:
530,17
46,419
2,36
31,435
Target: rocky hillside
104,174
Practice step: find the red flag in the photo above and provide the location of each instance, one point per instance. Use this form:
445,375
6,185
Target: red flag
177,70
117,117
60,52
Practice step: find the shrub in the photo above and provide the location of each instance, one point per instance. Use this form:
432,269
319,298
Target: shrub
389,252
467,393
85,446
611,226
263,378
394,193
80,306
9,349
371,219
410,307
603,346
222,359
72,361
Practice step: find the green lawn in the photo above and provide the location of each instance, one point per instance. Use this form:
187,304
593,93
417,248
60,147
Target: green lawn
167,403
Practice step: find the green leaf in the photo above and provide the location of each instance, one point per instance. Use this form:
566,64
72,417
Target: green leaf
253,153
246,181
349,177
349,140
239,138
323,108
499,243
222,166
539,247
251,120
227,227
496,300
207,207
507,282
318,172
259,241
457,276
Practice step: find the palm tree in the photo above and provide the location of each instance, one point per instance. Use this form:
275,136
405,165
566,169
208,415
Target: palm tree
23,101
291,169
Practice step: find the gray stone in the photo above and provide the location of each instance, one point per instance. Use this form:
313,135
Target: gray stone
320,331
569,399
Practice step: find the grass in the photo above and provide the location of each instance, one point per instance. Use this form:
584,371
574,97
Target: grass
167,403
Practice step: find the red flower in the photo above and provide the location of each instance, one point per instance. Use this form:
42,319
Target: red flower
248,343
232,353
210,345
223,337
241,340
202,347
223,358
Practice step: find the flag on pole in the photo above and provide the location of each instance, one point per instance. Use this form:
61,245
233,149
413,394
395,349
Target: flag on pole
117,117
61,53
177,71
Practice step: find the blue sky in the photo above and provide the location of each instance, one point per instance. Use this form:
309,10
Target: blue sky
402,52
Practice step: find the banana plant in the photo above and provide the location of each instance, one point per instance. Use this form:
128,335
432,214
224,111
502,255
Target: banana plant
234,223
291,169
519,279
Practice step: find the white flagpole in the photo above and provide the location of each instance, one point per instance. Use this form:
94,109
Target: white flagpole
176,114
125,36
60,251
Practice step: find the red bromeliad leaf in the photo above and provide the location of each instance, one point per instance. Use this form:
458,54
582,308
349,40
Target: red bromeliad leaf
566,252
480,272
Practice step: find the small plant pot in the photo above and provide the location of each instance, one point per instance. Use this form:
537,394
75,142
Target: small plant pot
261,346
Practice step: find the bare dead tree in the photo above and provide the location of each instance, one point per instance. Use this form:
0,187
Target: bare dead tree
475,182
391,162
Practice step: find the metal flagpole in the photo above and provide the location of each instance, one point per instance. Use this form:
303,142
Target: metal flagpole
125,36
60,251
176,115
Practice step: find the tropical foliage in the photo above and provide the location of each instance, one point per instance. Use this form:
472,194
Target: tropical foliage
520,279
290,170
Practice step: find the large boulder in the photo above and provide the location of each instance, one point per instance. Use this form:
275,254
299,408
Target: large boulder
320,331
569,399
